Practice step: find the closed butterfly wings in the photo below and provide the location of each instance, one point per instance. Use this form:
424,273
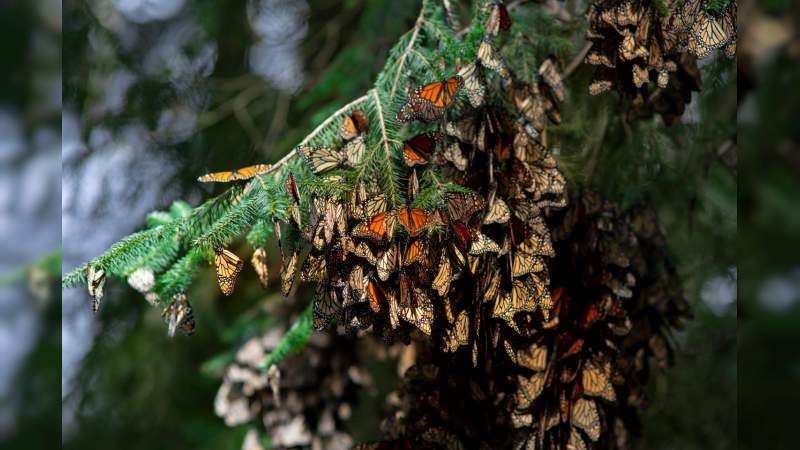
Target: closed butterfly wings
228,267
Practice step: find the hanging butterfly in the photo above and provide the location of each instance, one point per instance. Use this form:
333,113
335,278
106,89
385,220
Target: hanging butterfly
528,390
523,264
430,101
228,267
418,149
575,441
388,262
415,251
499,20
490,58
354,124
498,212
490,286
243,173
354,150
552,77
95,281
288,273
441,282
459,334
379,228
595,380
419,311
464,235
415,219
325,307
462,205
179,316
708,33
413,185
259,261
473,85
321,159
376,295
314,268
454,154
483,244
584,416
533,357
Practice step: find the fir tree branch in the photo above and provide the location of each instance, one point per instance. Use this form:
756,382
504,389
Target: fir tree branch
402,60
291,155
294,340
577,59
386,149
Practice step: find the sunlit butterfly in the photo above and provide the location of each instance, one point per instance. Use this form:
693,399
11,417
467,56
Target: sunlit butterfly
415,219
354,124
376,295
523,264
418,149
179,316
379,228
455,155
490,58
234,175
575,441
415,251
459,334
533,357
228,267
430,101
388,262
552,77
498,212
528,389
482,244
321,159
260,263
314,268
419,311
354,150
473,85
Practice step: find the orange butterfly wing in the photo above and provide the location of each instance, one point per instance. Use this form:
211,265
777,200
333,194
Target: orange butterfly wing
377,228
376,296
239,174
415,219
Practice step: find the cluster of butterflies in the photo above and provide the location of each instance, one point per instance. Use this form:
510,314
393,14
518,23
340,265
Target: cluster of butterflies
576,381
701,31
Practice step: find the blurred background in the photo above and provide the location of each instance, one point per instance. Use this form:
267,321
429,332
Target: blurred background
155,93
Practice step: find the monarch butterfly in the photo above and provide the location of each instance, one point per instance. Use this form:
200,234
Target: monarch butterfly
441,282
335,219
419,311
243,173
288,273
518,230
584,415
418,149
454,154
354,151
321,159
595,381
490,284
95,280
461,205
464,130
314,268
483,244
538,291
413,185
228,267
458,335
598,86
622,15
179,316
291,188
473,85
377,296
362,250
415,220
498,20
523,264
538,244
259,262
533,357
325,307
414,252
498,212
552,77
355,287
628,48
380,227
604,55
575,441
354,124
489,58
523,420
388,262
640,75
430,101
528,389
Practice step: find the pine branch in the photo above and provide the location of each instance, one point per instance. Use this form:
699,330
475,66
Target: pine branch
387,152
294,340
401,62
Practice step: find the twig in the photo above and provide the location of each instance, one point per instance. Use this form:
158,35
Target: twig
289,156
403,57
386,149
577,59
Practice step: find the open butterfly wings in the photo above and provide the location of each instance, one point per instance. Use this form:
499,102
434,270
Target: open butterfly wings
430,101
243,173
